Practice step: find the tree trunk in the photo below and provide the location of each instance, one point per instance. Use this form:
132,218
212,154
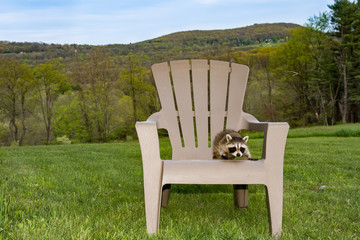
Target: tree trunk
12,124
134,108
22,120
345,97
49,117
14,130
322,106
270,98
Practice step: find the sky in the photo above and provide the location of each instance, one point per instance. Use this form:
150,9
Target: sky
100,22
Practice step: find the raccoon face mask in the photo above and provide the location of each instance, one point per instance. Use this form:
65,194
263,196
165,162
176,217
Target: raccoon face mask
236,145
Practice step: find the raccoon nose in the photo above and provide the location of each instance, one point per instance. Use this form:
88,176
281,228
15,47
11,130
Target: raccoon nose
238,155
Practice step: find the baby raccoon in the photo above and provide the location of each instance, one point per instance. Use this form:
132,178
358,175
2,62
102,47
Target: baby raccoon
229,144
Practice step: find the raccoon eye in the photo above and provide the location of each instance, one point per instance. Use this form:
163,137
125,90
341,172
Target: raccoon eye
242,149
232,149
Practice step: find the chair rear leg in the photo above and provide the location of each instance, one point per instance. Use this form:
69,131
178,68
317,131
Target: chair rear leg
165,195
275,202
241,196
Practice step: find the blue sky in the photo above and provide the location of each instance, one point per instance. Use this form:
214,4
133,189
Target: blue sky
99,22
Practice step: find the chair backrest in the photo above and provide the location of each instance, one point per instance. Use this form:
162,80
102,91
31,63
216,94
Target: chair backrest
199,98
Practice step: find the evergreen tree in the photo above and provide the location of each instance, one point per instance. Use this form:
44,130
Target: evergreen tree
344,16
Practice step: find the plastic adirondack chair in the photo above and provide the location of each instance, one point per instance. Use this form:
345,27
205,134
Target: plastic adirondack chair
200,98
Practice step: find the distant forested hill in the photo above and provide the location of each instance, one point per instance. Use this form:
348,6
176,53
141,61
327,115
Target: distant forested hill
187,44
235,37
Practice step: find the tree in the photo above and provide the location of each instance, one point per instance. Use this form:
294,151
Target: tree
293,64
51,83
344,16
136,84
265,71
97,77
323,83
321,62
68,118
16,82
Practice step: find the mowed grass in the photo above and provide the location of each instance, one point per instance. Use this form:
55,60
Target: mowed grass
342,130
95,191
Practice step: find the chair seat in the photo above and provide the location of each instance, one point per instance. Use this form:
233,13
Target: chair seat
214,172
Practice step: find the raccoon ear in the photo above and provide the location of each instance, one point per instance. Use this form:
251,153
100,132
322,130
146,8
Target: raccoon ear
245,139
228,138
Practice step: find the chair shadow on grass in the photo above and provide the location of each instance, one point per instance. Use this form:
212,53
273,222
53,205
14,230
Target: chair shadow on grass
200,188
211,188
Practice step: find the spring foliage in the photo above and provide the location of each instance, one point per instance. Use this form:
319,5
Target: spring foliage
303,75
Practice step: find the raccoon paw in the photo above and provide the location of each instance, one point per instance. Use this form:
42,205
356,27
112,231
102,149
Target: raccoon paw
224,156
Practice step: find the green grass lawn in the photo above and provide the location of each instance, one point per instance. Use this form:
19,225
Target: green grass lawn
95,191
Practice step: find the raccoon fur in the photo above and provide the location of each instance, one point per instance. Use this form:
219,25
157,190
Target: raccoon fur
229,144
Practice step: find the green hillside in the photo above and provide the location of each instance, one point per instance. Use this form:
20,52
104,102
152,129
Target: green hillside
186,44
234,37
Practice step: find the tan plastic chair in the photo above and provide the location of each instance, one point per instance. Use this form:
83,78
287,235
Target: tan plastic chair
200,99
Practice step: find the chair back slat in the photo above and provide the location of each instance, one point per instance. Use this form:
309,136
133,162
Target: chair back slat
200,72
199,98
237,85
219,76
161,72
180,72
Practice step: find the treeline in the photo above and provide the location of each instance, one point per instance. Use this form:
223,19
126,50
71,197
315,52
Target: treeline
189,44
89,101
237,37
314,77
96,94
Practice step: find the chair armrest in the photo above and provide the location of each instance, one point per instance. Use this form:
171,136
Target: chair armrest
275,140
275,134
149,140
249,122
158,119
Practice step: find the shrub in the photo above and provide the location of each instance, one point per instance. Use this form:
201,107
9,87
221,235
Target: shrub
15,143
63,140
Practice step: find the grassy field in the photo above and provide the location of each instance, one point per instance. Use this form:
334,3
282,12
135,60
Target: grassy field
95,191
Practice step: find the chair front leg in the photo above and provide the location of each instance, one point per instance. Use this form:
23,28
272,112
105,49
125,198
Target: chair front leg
275,202
152,172
152,194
